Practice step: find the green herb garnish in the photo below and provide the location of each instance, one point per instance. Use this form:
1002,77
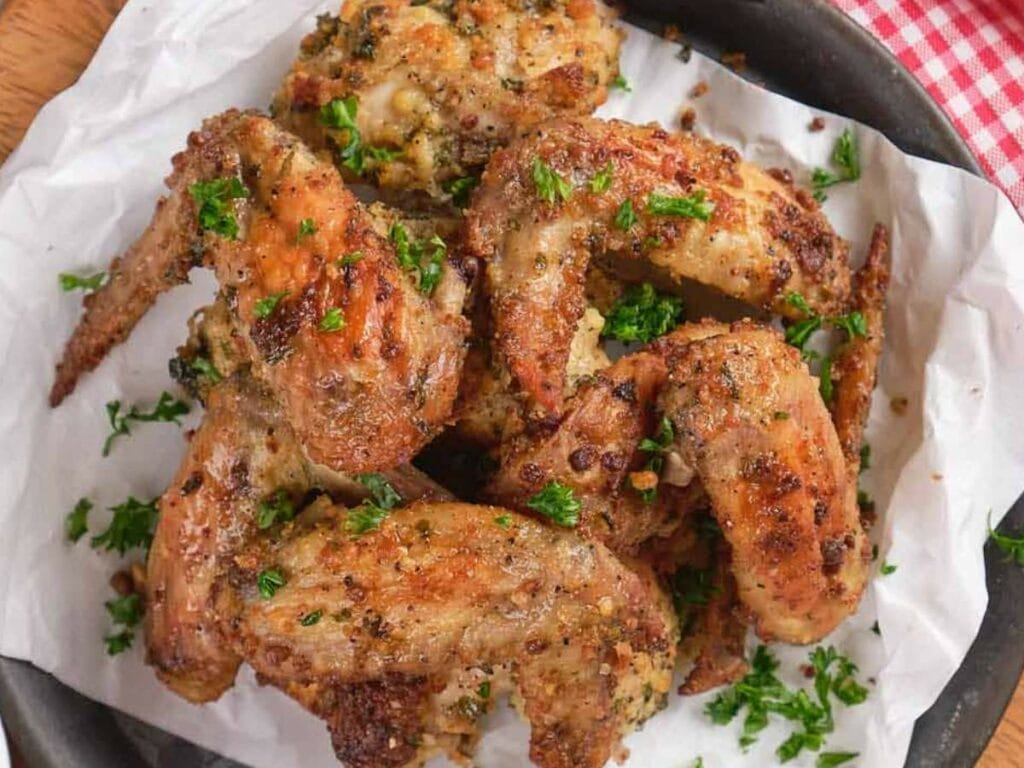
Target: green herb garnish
213,202
887,568
621,83
642,314
311,618
865,457
131,526
369,515
69,282
333,320
689,587
120,642
845,157
76,523
307,227
602,180
484,690
625,218
422,258
204,367
269,581
351,258
167,409
460,189
548,183
1012,547
503,521
693,207
557,503
265,307
832,759
277,508
340,115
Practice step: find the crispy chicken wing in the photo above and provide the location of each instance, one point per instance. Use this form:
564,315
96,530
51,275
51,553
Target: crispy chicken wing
856,366
401,638
437,86
748,418
243,457
674,206
365,364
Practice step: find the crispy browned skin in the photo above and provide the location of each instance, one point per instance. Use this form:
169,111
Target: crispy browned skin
749,419
855,369
416,615
763,240
446,83
242,454
364,397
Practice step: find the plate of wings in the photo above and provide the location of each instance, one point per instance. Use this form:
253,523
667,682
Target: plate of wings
458,440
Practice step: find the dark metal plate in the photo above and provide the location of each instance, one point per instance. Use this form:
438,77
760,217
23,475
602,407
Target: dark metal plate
801,48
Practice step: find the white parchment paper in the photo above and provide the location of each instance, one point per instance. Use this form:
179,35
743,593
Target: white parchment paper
83,184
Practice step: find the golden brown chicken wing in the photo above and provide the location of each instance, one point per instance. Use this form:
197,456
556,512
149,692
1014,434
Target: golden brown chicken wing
337,320
402,637
748,418
673,206
423,92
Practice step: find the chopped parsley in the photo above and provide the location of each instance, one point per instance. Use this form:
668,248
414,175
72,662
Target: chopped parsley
689,587
125,612
642,314
204,367
276,508
557,503
120,642
307,227
269,581
213,202
484,690
876,629
504,521
549,184
658,445
698,763
693,207
845,157
852,322
167,409
799,332
602,180
340,115
422,258
761,693
69,282
76,523
312,617
825,383
351,258
369,515
832,759
887,568
865,457
1012,547
131,526
333,320
621,83
625,218
460,189
265,307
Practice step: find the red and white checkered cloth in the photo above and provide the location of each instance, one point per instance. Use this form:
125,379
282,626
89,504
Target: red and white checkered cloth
969,54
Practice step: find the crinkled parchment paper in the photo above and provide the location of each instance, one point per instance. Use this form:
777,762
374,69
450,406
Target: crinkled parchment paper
83,185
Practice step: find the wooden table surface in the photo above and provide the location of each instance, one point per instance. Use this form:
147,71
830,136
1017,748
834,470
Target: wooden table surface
45,45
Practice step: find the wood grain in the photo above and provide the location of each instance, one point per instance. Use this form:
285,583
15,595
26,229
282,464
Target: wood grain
45,45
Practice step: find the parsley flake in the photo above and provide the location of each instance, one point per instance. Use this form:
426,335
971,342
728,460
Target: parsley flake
269,581
120,642
625,218
557,503
125,610
865,457
351,258
340,115
76,524
204,367
887,568
69,282
621,83
832,759
213,202
460,189
333,320
381,492
548,183
131,526
307,227
642,314
484,691
1012,547
845,157
277,508
167,409
504,521
422,258
693,207
602,180
690,587
265,307
311,618
369,515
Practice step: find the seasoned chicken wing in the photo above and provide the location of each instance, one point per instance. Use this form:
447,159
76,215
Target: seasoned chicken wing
336,319
671,207
747,416
424,92
242,464
855,368
402,637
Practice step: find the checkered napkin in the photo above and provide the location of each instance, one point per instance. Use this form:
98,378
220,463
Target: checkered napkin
969,54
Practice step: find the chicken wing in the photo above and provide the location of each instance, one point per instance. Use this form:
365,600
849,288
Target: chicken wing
242,463
677,207
748,418
424,92
337,320
401,638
